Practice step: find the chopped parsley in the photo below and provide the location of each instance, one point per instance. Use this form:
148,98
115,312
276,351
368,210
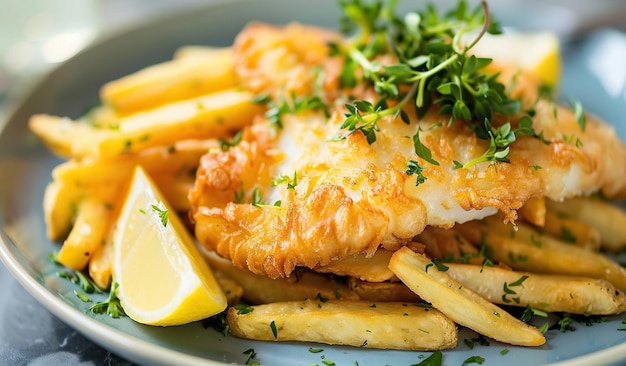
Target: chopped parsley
111,306
506,288
437,263
243,309
78,278
473,359
567,235
251,353
435,359
433,68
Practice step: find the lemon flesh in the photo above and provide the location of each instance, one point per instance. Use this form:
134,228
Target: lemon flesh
534,52
162,277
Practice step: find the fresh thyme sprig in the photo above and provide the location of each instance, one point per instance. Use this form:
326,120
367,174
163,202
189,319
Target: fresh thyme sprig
293,104
292,182
433,68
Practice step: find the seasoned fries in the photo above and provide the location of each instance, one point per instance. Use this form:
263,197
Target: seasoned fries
212,115
101,263
458,302
609,220
551,293
188,75
537,255
89,232
175,160
382,291
572,231
353,323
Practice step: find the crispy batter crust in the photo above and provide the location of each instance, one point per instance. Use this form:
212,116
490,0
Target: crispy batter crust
353,197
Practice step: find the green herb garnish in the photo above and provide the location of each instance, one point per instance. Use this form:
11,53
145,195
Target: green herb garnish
163,214
251,355
243,309
435,359
293,105
111,306
257,198
473,359
78,278
225,145
433,68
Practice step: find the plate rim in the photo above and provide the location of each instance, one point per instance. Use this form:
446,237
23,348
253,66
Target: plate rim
112,338
104,335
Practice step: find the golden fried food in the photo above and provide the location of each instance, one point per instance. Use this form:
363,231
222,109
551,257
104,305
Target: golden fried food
293,194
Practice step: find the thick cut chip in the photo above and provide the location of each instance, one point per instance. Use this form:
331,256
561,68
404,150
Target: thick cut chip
459,303
388,325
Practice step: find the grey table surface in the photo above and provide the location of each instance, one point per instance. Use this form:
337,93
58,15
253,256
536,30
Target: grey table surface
29,333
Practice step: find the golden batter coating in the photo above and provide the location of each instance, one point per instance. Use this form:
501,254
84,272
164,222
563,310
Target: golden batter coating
295,196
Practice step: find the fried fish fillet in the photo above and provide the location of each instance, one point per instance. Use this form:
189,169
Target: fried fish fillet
297,196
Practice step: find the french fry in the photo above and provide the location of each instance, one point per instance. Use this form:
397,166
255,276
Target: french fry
580,236
170,81
551,293
355,323
212,115
61,203
544,255
534,211
64,137
449,246
59,209
232,289
572,231
90,231
180,159
382,291
101,262
202,52
261,289
460,303
374,269
102,116
609,220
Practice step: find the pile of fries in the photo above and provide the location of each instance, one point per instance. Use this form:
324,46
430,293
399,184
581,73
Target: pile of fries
165,117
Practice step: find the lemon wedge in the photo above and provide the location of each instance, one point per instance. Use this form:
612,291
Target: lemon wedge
162,277
534,52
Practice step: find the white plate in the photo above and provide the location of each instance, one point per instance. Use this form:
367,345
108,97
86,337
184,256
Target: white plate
25,167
